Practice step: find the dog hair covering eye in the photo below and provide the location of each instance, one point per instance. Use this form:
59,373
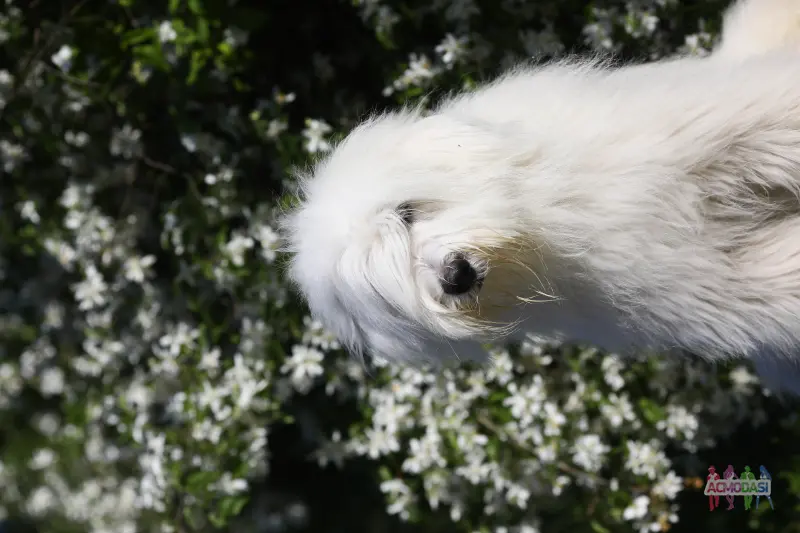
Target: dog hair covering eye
646,207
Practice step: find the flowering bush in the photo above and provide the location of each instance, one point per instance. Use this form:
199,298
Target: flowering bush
157,375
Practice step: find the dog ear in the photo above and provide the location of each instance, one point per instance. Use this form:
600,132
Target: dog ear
421,347
339,322
323,301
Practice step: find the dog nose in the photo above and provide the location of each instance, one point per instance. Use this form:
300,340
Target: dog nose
459,277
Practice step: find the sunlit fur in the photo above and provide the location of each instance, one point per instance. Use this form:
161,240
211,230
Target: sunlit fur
752,27
637,207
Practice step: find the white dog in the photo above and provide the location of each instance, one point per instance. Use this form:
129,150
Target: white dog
649,207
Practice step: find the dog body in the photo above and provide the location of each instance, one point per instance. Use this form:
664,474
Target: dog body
753,27
648,207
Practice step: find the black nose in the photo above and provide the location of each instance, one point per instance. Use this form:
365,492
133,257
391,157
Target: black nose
458,277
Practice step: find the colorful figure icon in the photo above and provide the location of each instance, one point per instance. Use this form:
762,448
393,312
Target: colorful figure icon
764,475
713,499
729,474
748,476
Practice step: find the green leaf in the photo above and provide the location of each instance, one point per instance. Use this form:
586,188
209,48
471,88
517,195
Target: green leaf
135,37
154,56
200,481
196,7
197,62
231,506
203,31
384,473
651,410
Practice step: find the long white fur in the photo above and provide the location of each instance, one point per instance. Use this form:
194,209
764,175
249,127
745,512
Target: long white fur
647,207
752,27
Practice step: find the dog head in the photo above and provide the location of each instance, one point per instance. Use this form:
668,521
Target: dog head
409,238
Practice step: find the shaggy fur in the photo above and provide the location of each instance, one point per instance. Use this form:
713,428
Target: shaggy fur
753,27
649,207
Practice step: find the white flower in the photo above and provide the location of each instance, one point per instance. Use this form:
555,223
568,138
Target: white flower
589,452
560,483
424,453
269,240
42,459
62,58
189,142
547,453
209,362
314,133
235,37
400,497
73,196
61,251
518,495
599,33
452,48
78,139
526,401
136,268
742,379
378,442
92,291
11,154
166,33
553,420
679,423
699,44
637,509
212,397
244,382
237,247
612,372
669,486
27,210
618,411
227,484
276,127
645,459
179,337
419,68
390,413
282,98
139,395
6,78
41,501
126,142
640,23
502,368
47,424
303,367
51,382
316,335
